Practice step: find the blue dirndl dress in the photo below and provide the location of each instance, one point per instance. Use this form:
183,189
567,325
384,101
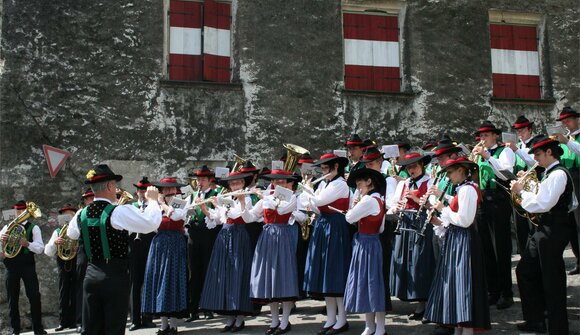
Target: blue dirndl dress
165,285
273,276
226,289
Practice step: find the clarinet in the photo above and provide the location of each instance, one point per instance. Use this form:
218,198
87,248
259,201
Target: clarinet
430,213
435,182
401,208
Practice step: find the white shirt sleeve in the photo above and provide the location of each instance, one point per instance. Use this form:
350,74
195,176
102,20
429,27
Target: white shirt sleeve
390,193
50,248
505,161
467,198
548,194
178,214
367,206
254,213
525,155
337,189
574,146
129,217
37,245
285,207
301,204
73,230
397,196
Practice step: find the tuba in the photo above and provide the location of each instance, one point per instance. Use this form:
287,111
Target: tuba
293,156
16,231
67,250
530,184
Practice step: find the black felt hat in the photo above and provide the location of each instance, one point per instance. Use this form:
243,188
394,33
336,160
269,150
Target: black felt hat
279,174
247,177
568,112
169,182
522,122
545,143
378,179
354,140
204,171
371,154
402,144
67,207
19,205
446,146
487,126
414,157
331,159
249,168
431,143
100,173
143,183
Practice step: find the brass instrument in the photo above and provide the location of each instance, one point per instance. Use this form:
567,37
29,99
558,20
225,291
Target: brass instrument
530,184
67,250
307,225
393,168
473,156
293,156
123,197
238,163
16,231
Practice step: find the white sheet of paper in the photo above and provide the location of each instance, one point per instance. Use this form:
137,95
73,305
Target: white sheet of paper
225,201
283,193
277,165
390,151
555,129
9,214
340,153
63,219
221,172
509,137
178,203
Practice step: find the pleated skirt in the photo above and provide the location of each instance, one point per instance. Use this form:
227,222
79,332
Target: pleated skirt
412,264
165,284
226,288
328,258
365,288
273,275
458,296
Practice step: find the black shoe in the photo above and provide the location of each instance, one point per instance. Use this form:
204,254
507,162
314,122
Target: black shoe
417,316
492,299
208,315
505,302
236,329
440,330
575,271
342,329
227,328
61,327
134,327
272,330
193,317
324,330
533,327
280,331
40,332
148,324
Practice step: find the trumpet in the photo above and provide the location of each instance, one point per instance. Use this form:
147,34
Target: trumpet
473,155
123,196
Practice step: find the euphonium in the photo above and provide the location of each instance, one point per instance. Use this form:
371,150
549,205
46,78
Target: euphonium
293,156
123,196
530,183
473,156
16,231
67,250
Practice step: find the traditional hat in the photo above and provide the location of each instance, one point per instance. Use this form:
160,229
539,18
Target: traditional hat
143,183
464,161
522,122
371,154
354,140
487,126
100,173
204,171
169,182
544,143
379,181
305,158
247,177
279,174
249,168
330,159
402,144
446,146
67,207
431,143
264,171
88,193
19,205
414,157
568,112
369,143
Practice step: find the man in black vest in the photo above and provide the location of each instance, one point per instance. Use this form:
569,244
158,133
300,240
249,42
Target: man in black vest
22,266
105,231
139,249
355,146
200,243
540,272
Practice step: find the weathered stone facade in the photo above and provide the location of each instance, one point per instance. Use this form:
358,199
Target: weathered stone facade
88,77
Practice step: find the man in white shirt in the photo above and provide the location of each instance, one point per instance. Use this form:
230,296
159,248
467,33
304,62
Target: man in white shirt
540,272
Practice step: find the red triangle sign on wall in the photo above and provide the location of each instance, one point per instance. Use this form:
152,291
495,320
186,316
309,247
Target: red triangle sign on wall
55,158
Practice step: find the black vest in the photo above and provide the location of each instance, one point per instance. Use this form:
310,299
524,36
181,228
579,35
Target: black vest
25,256
118,239
561,207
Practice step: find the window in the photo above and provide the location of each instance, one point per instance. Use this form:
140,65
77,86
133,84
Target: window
371,51
199,41
515,56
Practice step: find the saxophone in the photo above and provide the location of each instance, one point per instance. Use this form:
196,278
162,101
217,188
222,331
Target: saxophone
16,231
67,250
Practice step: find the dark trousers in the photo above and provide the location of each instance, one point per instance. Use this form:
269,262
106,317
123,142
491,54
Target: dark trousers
522,231
67,279
199,247
301,253
575,214
106,298
81,270
26,273
542,277
494,226
137,262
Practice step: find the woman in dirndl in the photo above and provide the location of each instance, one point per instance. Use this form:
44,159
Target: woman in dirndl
458,297
165,285
328,257
273,276
365,289
413,259
226,289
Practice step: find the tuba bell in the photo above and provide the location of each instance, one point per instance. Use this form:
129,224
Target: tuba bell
67,250
530,183
16,231
293,156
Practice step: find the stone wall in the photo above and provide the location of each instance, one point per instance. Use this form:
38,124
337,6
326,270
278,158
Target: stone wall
87,76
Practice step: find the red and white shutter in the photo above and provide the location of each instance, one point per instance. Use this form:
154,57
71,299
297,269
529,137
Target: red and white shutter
185,40
216,41
515,61
371,52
